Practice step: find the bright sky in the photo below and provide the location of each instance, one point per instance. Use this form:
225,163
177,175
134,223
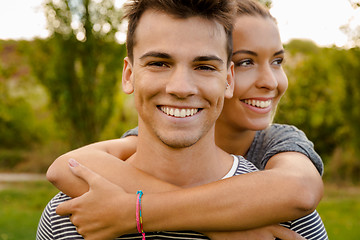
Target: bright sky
318,20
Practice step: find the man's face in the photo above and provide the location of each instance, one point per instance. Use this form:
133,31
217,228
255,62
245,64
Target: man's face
179,76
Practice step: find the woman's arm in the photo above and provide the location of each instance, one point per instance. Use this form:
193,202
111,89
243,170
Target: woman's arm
105,158
118,216
306,181
290,188
287,190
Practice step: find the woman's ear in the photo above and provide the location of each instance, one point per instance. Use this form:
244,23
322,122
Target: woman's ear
127,77
230,82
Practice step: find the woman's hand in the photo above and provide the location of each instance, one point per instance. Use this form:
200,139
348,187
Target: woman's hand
87,212
265,233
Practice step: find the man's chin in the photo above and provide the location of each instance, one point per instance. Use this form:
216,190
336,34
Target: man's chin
178,143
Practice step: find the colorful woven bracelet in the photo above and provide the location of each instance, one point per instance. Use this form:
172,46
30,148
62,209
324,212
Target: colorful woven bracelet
139,222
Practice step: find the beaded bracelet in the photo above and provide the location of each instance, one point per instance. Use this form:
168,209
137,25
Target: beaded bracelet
139,222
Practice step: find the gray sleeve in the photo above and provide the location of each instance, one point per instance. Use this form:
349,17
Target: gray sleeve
279,138
131,132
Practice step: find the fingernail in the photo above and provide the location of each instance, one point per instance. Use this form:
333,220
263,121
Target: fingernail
73,162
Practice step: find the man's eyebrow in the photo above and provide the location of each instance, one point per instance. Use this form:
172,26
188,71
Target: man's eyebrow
196,59
208,58
156,55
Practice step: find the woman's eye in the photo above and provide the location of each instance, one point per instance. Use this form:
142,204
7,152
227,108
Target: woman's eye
244,63
278,61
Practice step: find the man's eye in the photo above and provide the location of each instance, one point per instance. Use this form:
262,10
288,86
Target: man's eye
206,68
157,64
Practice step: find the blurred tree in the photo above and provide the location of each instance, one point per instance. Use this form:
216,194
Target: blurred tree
299,46
80,64
324,88
19,127
267,3
316,92
348,165
354,4
352,31
21,124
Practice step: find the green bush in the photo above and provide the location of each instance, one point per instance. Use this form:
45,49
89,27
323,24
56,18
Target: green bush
10,158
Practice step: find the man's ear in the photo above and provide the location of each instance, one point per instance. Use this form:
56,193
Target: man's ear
127,77
230,79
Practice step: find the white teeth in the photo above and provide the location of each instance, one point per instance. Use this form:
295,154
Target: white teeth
258,103
182,113
177,112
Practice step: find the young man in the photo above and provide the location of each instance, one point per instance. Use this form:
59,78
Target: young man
179,69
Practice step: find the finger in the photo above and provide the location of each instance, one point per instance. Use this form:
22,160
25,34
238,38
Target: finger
285,233
65,208
83,172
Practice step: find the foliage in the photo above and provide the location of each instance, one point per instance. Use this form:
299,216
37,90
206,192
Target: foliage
80,65
354,3
267,3
9,159
324,87
25,122
352,30
20,126
17,122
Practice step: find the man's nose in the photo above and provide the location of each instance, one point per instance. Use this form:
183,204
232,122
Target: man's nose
182,83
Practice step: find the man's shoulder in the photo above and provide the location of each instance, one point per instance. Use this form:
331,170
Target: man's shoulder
244,166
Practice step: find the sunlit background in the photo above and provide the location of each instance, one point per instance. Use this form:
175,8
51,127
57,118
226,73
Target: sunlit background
319,20
61,89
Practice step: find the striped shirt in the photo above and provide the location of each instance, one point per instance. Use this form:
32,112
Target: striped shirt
53,226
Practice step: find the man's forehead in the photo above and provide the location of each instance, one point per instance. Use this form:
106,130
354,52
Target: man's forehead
162,35
164,55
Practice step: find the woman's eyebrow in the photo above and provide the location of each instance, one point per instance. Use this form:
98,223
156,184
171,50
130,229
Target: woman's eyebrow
255,54
282,51
245,52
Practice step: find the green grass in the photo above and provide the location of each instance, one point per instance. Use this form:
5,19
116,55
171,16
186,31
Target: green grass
340,211
21,205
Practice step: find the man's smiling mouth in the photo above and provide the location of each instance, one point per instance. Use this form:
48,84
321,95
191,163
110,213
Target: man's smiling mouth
179,112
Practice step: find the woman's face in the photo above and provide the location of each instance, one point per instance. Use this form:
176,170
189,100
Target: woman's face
259,77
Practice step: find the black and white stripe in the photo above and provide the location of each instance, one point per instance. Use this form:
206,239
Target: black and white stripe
310,226
53,226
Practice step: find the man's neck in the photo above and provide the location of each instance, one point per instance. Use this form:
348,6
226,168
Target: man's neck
198,164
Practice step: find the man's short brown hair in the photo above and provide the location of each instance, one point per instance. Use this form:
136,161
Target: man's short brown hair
221,11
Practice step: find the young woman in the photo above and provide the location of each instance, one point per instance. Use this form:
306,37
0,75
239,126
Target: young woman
291,186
